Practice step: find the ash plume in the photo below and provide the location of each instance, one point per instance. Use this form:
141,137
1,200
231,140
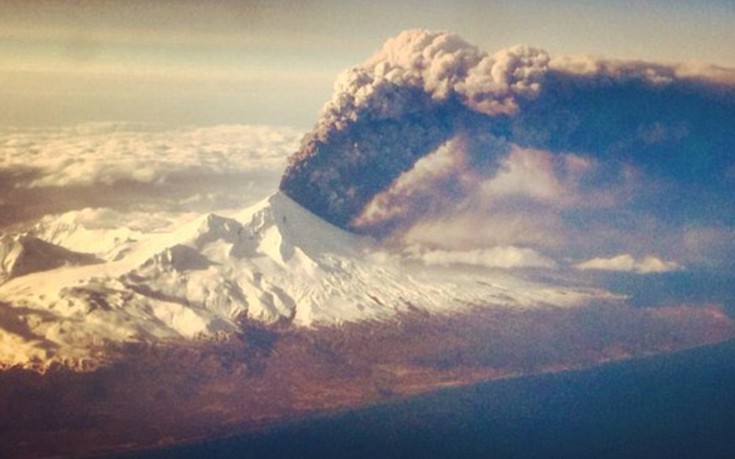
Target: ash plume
429,119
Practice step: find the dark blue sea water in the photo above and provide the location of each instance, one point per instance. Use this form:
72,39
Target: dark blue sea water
689,286
674,406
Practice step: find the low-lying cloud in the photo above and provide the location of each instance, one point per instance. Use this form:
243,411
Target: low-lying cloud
627,263
111,153
127,166
495,257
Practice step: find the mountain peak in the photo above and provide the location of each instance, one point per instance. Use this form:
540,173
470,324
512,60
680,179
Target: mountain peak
272,262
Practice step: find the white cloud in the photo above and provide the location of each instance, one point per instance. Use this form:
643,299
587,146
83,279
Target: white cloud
627,263
495,257
139,167
109,153
528,173
470,230
561,180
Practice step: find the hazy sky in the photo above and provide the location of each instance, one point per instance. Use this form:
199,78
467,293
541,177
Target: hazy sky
274,62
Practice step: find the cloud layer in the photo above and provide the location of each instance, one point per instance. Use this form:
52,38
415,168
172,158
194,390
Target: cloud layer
143,167
496,257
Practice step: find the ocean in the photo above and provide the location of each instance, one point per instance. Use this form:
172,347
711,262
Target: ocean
679,405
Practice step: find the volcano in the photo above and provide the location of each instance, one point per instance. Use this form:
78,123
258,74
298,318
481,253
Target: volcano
454,217
273,263
229,324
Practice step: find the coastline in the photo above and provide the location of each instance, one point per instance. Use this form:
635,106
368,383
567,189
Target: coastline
430,405
165,395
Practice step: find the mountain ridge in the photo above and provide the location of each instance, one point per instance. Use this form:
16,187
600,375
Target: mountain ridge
272,262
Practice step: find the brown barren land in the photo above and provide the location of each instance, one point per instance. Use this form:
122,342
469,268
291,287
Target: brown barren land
165,393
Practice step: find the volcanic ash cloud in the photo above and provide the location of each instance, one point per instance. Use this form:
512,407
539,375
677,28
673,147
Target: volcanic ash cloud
424,126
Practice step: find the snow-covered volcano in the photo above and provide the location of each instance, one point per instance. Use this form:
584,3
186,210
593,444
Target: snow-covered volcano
273,262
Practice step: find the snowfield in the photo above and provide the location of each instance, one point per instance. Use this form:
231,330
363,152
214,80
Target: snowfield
272,262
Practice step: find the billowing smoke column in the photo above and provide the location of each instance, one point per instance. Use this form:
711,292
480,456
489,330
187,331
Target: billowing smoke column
429,116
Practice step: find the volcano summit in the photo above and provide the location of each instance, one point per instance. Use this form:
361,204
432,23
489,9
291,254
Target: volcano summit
274,263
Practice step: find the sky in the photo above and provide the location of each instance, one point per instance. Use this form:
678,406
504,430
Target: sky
180,63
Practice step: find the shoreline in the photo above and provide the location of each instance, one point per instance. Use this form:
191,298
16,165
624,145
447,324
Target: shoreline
333,416
161,397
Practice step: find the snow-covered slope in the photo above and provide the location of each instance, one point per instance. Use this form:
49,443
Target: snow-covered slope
23,254
272,262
